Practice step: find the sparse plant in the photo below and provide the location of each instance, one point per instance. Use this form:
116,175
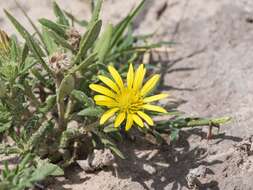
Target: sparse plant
47,108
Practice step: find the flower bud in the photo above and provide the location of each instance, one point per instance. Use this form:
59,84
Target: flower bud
60,62
74,38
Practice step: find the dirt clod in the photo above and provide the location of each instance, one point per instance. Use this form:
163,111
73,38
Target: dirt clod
97,160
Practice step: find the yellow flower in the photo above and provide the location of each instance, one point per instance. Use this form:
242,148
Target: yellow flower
127,101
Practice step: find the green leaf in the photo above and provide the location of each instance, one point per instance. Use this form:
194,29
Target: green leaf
32,24
66,87
3,91
28,157
4,185
14,50
39,76
36,138
84,64
44,171
61,41
158,136
24,55
59,29
116,151
88,40
128,39
174,134
82,97
49,104
104,43
50,44
27,66
110,129
120,28
91,111
191,122
24,33
57,172
60,15
5,126
96,11
31,43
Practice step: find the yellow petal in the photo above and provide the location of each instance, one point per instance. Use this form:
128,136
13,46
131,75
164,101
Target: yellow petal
139,76
103,98
108,114
150,84
119,119
138,120
130,76
106,103
102,90
146,118
154,108
155,98
115,75
129,122
109,83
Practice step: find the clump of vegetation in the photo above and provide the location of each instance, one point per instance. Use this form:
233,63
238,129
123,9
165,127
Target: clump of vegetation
48,116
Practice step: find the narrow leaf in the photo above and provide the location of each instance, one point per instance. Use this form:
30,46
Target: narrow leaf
88,40
33,46
50,44
60,15
120,29
103,45
82,97
59,29
85,64
96,11
92,111
33,25
61,41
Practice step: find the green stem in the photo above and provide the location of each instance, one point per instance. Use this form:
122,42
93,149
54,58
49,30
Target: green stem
209,122
69,108
192,122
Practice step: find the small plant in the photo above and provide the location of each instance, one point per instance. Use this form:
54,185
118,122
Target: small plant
47,88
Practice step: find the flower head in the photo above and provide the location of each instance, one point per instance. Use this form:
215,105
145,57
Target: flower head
127,101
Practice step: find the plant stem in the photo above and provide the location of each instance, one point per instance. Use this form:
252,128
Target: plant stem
69,108
192,122
60,104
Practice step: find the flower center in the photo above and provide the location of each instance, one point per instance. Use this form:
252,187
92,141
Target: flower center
129,100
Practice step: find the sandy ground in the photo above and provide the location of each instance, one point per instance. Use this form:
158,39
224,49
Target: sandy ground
210,73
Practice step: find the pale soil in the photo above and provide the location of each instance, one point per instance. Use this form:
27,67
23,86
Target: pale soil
210,74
